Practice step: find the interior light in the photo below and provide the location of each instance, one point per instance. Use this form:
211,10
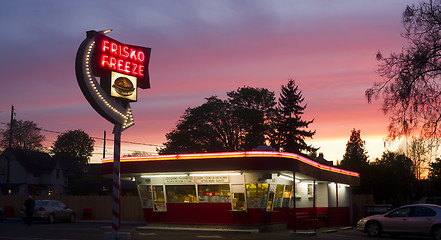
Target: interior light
287,177
343,185
213,174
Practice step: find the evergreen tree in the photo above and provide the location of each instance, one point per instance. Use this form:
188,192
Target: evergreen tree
355,157
290,130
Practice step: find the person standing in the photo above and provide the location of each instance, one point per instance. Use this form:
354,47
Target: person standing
29,209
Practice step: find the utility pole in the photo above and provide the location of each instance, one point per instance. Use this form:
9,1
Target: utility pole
104,151
11,127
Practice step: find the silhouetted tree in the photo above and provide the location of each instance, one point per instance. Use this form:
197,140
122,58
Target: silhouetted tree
206,128
239,123
411,87
25,135
290,129
253,109
434,178
355,157
392,179
74,145
421,152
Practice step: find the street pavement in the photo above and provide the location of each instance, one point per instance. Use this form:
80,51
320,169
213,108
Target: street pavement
15,229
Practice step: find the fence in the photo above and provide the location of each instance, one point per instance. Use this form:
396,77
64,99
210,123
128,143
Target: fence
358,203
101,206
131,209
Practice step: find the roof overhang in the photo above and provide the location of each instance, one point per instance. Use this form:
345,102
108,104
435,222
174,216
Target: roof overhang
231,161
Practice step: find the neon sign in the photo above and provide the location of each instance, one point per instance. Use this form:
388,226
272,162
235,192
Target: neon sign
122,69
111,55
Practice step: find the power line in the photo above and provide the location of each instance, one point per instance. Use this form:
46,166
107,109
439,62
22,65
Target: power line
101,138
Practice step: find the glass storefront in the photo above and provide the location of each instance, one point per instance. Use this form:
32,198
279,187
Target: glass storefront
219,193
287,195
257,195
181,193
159,199
211,189
146,196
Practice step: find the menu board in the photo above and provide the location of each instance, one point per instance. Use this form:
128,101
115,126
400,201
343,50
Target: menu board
212,179
185,179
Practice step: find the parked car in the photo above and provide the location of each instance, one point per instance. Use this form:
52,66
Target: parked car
421,219
50,211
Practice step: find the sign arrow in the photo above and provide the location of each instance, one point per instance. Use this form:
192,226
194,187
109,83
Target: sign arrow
115,111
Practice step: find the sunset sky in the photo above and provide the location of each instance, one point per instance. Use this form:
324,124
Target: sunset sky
202,48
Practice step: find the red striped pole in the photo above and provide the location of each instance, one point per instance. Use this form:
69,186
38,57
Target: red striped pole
116,204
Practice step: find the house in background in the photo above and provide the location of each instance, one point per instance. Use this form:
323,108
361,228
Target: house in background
37,173
31,172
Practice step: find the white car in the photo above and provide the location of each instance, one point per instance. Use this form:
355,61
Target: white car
420,219
51,211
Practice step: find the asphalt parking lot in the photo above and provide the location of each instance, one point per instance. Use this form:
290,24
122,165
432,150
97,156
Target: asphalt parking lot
15,229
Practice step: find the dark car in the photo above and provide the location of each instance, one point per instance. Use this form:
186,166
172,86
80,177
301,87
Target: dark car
51,211
421,219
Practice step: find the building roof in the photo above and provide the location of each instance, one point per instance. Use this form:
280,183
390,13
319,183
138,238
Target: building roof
231,161
32,161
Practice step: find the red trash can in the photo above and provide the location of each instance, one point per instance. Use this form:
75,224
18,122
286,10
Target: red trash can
87,214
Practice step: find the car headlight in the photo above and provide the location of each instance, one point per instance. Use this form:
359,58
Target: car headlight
363,220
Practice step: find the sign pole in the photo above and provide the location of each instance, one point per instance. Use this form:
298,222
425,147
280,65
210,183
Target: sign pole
116,219
97,57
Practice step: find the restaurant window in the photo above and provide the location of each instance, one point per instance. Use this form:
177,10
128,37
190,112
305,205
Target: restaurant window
181,193
286,195
146,196
257,195
269,205
159,199
278,196
219,193
310,190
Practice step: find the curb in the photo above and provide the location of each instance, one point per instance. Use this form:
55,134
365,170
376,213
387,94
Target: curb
197,229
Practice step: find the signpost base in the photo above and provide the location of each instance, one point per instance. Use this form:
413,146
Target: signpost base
117,236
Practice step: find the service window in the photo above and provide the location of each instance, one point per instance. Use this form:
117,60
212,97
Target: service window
278,196
159,199
219,193
238,202
257,195
145,194
287,195
181,193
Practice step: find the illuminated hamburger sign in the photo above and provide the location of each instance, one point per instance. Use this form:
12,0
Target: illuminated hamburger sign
121,68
